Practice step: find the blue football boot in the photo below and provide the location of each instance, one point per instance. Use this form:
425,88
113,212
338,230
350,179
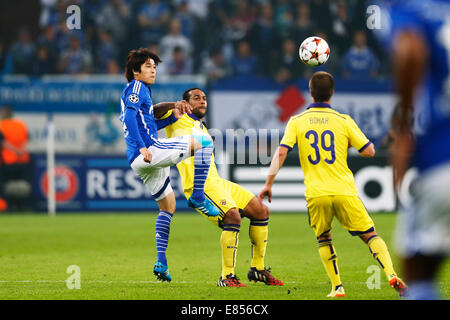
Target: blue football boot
161,271
206,207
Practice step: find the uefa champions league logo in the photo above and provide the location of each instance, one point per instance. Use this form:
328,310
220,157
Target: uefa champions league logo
134,98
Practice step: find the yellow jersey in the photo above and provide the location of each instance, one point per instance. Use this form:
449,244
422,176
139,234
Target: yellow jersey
189,124
323,137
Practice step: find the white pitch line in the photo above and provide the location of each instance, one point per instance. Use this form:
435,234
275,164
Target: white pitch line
156,281
105,281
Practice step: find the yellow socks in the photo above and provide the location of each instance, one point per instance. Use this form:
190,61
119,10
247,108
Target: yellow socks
380,252
329,259
259,231
229,241
377,248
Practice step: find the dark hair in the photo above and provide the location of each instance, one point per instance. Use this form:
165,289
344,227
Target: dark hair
136,58
322,86
187,95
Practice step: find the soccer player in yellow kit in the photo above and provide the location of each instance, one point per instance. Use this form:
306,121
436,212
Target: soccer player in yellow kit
230,198
323,137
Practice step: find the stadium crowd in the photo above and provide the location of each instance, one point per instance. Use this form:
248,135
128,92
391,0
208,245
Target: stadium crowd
219,38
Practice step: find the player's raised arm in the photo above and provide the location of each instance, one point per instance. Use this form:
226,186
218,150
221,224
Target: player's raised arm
178,108
275,166
162,108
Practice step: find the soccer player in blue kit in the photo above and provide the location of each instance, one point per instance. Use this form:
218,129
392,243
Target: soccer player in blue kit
151,158
418,34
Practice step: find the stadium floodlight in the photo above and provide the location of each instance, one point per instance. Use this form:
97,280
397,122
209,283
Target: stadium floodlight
51,201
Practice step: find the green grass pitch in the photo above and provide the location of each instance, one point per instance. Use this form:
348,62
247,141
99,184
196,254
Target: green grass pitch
116,253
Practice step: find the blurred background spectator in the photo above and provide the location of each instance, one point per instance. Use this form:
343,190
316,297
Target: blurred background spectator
5,60
244,63
47,52
179,63
115,17
341,27
22,52
215,66
15,169
106,52
75,59
264,37
44,62
153,17
284,16
303,26
174,39
15,134
359,62
286,66
186,18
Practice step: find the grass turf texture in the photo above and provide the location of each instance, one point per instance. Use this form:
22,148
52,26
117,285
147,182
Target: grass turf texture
116,254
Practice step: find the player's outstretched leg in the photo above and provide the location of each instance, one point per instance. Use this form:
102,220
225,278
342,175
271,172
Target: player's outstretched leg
162,230
203,147
380,252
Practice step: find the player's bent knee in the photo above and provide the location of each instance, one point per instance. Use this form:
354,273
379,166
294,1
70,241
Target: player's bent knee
168,203
232,217
261,212
367,236
255,209
325,236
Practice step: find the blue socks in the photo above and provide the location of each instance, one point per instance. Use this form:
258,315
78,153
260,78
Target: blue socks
202,162
162,230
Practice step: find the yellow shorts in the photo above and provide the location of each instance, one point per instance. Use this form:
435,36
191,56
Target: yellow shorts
349,210
225,195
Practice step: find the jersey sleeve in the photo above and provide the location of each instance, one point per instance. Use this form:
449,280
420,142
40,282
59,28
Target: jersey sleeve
133,101
136,95
290,135
166,115
167,119
132,127
356,137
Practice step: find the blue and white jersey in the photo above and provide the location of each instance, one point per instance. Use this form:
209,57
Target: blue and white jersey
138,122
431,19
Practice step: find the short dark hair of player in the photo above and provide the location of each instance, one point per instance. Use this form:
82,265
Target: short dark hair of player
322,86
187,95
136,58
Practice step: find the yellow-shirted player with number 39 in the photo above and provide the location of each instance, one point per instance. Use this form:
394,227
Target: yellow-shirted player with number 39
323,137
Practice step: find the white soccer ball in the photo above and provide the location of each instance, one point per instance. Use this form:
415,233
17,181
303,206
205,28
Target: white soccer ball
314,51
